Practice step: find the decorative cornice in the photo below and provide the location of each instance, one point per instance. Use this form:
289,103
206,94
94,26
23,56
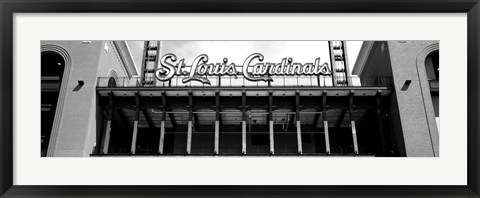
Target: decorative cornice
117,54
126,57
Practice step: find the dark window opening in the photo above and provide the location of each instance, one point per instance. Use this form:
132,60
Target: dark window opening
285,132
433,75
148,140
52,68
230,139
203,140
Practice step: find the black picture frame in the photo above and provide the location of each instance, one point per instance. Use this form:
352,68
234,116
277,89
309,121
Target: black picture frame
10,7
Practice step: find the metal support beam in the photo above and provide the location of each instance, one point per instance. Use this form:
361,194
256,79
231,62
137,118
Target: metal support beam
162,137
133,148
270,122
380,123
297,115
354,135
189,138
108,127
272,145
218,121
135,124
299,137
325,122
190,118
244,137
327,137
106,140
161,144
217,136
244,122
352,123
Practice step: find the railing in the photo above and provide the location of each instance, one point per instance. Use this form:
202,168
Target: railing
231,81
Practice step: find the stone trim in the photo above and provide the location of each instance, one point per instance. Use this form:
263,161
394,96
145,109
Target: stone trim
420,63
61,97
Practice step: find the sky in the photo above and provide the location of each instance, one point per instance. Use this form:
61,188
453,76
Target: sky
238,51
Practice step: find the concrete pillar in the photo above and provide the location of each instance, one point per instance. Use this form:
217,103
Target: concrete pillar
327,138
189,138
106,140
354,134
217,136
162,137
272,148
244,137
134,137
299,137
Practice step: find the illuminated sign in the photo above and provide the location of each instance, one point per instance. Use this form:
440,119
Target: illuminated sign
254,68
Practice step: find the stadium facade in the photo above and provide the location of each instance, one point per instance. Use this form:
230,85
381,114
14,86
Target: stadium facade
98,101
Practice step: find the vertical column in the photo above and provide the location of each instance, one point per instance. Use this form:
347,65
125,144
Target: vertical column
134,137
162,123
244,122
244,137
354,134
162,137
217,122
352,123
106,140
297,117
108,127
135,124
327,138
189,137
270,121
190,126
272,145
299,137
217,135
325,122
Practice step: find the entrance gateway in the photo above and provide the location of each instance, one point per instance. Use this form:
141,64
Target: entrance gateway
255,108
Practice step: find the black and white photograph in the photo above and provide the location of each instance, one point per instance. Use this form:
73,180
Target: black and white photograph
240,98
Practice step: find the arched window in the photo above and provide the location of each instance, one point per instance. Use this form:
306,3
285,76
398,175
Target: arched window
112,82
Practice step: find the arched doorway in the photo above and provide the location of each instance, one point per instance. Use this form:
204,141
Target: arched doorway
431,65
433,75
52,69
